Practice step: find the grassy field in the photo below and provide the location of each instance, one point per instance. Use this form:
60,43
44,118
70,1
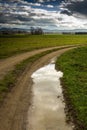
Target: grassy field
13,44
74,65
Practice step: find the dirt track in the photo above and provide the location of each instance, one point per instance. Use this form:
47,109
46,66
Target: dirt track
9,63
13,112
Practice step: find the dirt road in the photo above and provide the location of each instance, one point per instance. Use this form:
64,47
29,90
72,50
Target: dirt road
13,112
9,63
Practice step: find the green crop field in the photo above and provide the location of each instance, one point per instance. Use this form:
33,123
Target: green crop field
74,66
13,44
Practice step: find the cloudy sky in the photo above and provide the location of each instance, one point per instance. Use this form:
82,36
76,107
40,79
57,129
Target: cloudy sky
52,15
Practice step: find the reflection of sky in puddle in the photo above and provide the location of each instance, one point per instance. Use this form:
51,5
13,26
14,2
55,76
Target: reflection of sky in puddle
47,111
46,73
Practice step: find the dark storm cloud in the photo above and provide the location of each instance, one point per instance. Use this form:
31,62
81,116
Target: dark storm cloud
76,7
66,12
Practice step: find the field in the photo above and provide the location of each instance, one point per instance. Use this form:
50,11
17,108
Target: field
13,44
74,65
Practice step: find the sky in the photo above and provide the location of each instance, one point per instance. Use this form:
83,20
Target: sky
50,15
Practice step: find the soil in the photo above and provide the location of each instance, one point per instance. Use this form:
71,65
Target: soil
14,110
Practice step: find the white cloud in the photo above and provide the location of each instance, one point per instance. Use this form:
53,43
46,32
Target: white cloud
50,6
25,15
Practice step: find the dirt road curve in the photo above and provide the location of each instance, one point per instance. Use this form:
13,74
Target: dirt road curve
13,112
9,63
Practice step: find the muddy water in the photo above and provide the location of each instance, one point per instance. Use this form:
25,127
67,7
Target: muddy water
47,109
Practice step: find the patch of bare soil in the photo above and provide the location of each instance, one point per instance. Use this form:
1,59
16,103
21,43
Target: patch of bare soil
13,111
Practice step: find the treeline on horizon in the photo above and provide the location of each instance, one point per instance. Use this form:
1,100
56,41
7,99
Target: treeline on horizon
35,31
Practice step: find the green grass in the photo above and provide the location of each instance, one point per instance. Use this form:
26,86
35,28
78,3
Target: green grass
14,44
74,66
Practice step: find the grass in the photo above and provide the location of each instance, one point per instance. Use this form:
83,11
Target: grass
14,44
74,66
11,78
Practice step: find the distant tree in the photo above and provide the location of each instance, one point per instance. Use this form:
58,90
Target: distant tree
40,31
32,30
37,31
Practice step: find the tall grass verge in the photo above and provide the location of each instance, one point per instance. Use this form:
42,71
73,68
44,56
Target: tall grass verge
74,66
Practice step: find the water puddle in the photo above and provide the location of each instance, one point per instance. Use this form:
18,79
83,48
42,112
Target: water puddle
47,109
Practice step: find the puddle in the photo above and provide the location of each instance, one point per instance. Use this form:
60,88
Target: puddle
47,109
